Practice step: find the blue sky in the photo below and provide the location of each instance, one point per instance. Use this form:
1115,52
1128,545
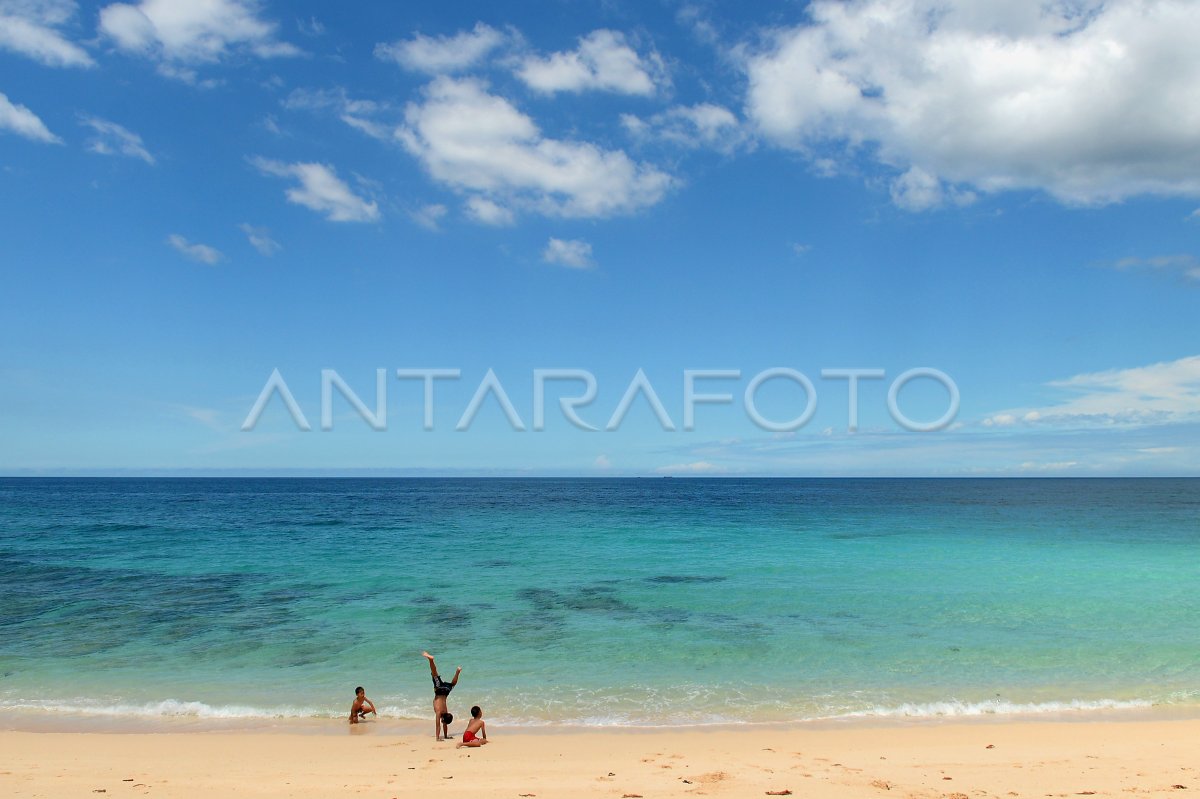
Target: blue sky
197,194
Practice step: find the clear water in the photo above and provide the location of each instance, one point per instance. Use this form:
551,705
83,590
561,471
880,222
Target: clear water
651,601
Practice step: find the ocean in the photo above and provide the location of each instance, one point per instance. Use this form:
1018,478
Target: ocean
638,602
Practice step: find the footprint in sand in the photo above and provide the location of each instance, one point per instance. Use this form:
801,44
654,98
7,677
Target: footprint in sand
712,777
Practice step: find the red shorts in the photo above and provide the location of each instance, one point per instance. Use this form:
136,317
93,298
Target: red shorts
468,736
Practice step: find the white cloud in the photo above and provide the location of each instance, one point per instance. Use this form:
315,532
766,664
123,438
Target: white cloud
429,216
696,467
440,55
917,190
481,144
489,212
1053,466
23,122
32,28
197,252
271,125
188,33
700,125
1162,393
373,129
322,99
603,62
1000,420
602,462
801,249
321,190
696,18
572,253
208,417
260,239
114,139
355,113
1184,266
1089,101
310,27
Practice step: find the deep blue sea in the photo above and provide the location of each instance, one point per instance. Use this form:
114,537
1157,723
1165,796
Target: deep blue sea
622,601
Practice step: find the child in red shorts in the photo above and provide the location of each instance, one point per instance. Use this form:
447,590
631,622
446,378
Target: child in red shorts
476,733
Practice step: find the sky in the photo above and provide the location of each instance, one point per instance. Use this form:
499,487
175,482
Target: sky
211,203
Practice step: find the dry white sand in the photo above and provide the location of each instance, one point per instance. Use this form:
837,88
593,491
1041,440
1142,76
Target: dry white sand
937,759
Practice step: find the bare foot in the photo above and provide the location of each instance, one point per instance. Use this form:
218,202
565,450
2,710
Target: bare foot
427,656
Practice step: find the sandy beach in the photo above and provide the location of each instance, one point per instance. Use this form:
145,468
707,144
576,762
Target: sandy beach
932,759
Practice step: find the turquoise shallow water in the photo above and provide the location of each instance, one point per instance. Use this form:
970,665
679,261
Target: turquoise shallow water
599,601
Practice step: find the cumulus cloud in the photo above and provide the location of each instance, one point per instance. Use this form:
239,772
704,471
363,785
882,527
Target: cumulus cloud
489,212
113,139
701,125
918,190
1089,101
177,34
320,190
33,28
571,253
260,239
197,252
1161,393
440,55
602,62
23,122
479,143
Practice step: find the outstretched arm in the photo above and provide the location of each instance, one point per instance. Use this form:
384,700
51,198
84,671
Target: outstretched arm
370,704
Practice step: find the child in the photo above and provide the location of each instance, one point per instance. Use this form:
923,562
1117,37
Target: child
362,706
441,690
476,734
